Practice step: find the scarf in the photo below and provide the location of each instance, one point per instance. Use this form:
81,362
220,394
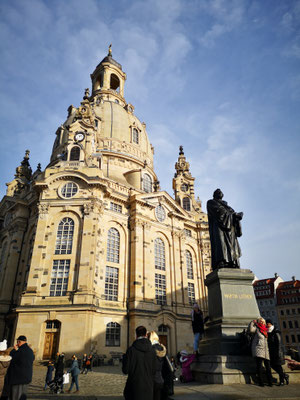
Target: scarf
263,329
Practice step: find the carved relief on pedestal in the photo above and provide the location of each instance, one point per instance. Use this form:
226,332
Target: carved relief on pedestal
94,206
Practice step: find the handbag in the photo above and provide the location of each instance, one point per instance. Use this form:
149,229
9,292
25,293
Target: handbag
66,377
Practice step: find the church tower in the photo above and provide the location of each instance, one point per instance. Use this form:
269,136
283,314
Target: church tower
90,247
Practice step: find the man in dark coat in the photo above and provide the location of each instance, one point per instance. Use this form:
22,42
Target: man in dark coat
20,369
224,229
276,352
139,363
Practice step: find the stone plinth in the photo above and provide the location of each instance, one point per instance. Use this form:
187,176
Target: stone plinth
232,305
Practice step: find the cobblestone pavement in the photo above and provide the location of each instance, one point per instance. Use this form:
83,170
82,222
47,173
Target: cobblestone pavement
107,383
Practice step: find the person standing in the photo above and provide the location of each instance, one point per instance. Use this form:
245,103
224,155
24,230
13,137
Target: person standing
89,363
75,371
59,371
5,359
197,325
139,363
276,352
260,349
161,352
84,367
50,369
20,369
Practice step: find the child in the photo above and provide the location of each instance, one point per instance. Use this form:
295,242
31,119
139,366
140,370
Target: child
50,369
186,360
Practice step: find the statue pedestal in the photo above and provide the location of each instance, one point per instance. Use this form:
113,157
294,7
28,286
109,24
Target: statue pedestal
231,305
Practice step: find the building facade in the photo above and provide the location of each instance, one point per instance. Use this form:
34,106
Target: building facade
265,293
90,247
288,310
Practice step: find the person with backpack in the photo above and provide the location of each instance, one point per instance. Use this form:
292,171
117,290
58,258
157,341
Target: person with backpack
260,349
276,352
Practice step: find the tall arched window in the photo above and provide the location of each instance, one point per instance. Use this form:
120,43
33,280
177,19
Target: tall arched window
114,82
75,153
64,238
186,204
159,252
147,183
189,264
113,334
29,256
113,245
135,136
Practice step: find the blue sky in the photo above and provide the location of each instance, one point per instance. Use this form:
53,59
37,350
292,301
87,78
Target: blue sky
220,77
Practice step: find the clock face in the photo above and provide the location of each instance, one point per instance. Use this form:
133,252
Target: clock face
79,136
184,187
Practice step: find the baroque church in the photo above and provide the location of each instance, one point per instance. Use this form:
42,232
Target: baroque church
91,247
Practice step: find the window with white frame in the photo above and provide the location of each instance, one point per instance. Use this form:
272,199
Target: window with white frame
186,204
59,277
160,289
113,334
111,283
191,293
159,254
64,237
135,136
147,183
69,190
113,245
160,213
189,264
115,207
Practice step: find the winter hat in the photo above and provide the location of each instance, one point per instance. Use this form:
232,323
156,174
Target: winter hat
23,338
184,353
3,345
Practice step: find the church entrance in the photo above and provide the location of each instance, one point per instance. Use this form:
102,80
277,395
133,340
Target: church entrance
51,341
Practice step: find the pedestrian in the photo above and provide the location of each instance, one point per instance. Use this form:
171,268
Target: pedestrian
260,349
139,363
89,363
84,367
276,352
59,371
75,371
161,352
5,359
186,360
50,369
197,325
20,369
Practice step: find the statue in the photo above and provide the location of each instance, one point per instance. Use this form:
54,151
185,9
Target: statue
224,229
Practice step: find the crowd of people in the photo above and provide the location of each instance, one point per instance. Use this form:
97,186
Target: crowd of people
151,374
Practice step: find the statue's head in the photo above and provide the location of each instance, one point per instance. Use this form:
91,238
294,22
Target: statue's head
218,194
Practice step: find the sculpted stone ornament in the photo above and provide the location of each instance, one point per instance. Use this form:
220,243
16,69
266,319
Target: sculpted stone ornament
224,229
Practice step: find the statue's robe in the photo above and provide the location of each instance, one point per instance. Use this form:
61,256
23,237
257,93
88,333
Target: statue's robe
224,228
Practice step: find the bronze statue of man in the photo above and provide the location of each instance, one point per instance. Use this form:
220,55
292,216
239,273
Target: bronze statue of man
224,229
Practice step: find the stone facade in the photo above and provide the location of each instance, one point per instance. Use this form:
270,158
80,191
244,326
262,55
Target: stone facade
91,247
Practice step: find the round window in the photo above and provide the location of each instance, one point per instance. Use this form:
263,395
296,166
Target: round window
69,190
160,213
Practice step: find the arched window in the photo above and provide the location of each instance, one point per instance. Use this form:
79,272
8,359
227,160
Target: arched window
75,153
147,183
113,334
159,252
114,82
29,256
113,245
64,238
189,264
186,204
135,136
